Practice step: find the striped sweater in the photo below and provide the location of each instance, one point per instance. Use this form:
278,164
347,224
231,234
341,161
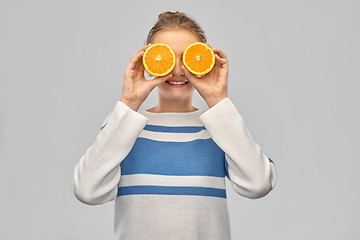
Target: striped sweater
166,171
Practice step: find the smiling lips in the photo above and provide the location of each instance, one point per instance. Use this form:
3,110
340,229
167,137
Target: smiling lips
177,82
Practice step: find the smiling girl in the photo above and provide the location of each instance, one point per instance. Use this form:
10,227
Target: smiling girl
165,167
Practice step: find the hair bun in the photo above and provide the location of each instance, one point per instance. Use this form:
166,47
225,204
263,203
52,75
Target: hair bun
170,14
176,20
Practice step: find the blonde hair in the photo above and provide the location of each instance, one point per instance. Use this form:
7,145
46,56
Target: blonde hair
171,20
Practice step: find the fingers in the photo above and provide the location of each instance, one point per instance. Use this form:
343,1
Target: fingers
135,59
221,57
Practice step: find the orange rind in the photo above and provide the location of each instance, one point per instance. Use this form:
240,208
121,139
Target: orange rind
159,59
199,58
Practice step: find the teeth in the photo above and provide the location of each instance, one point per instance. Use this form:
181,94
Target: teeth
177,83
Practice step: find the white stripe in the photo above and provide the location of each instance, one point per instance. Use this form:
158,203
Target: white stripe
174,137
162,180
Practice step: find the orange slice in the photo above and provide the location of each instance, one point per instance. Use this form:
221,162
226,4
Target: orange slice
159,59
199,58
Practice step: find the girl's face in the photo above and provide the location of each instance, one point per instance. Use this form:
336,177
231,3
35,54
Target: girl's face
177,87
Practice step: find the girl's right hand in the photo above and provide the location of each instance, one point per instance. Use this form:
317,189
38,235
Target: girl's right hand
135,87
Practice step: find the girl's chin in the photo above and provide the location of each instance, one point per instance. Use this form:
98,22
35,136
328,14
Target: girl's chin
177,92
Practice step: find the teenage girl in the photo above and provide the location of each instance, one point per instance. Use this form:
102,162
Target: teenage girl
165,167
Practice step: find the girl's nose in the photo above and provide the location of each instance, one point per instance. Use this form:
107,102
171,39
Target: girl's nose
177,71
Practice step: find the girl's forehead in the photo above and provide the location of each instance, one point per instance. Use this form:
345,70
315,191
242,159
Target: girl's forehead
177,39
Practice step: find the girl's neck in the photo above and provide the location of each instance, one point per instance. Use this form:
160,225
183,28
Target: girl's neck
164,105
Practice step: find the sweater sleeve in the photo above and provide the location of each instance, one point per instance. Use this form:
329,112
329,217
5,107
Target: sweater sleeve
97,174
251,173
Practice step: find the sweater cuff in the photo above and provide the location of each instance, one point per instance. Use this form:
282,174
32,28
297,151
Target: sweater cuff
222,119
120,131
223,107
121,110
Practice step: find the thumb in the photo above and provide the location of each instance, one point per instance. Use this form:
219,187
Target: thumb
194,80
158,80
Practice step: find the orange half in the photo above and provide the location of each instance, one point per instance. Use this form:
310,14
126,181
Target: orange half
159,59
199,58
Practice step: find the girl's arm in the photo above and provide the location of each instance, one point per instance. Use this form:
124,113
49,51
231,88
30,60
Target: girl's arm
97,174
252,174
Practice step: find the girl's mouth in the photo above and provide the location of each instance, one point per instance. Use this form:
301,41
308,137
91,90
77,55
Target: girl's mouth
177,82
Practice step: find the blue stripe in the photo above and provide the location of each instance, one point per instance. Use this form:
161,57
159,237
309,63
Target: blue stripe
271,161
190,129
200,157
103,127
165,190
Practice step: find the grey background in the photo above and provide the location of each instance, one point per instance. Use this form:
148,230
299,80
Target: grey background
294,77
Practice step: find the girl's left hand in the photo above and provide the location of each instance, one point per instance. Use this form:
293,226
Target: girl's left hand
213,85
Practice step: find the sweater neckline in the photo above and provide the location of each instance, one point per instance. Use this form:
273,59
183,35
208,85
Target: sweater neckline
173,113
174,118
